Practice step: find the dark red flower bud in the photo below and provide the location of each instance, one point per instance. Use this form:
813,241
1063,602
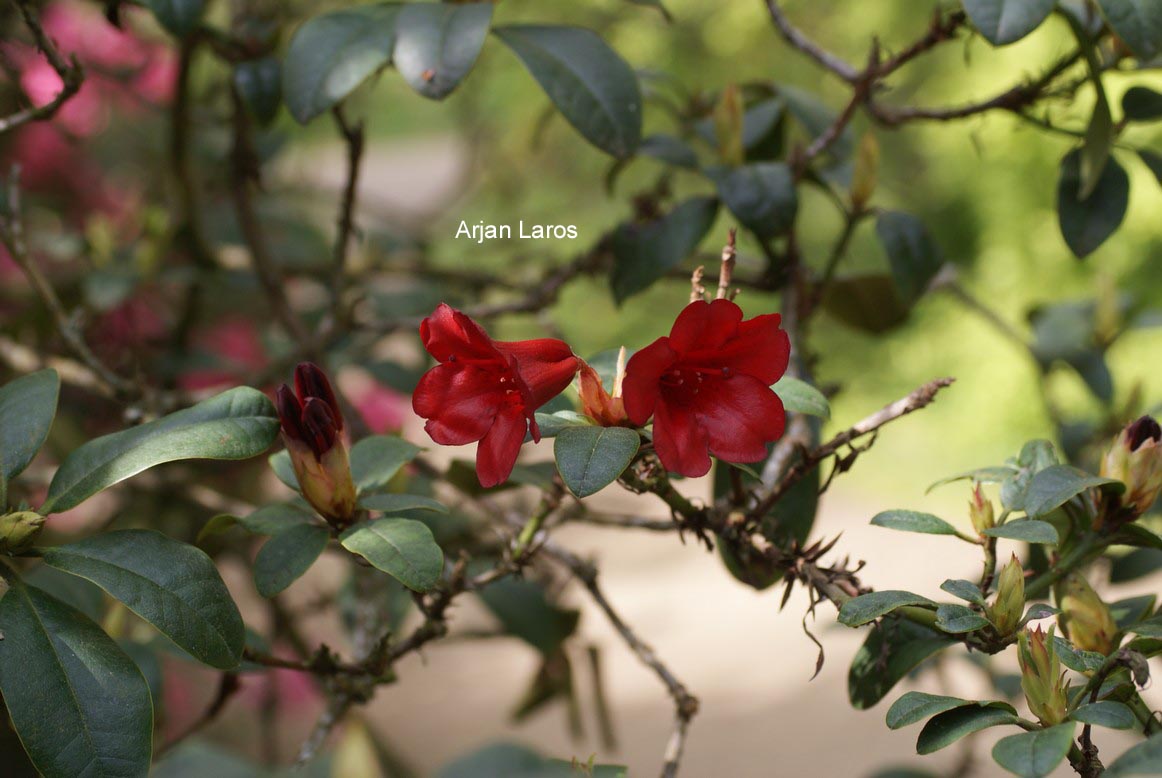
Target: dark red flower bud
1145,428
311,381
707,387
485,390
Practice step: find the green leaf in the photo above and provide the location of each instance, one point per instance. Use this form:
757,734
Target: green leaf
1054,486
667,148
1138,536
1153,162
1131,610
1106,713
27,407
913,521
172,585
591,458
869,607
1142,104
178,17
958,619
801,397
643,253
237,424
1095,149
965,590
1086,223
1076,659
79,704
375,460
526,613
816,118
892,650
273,519
913,255
1150,628
761,195
1034,754
259,84
1137,564
950,726
867,302
508,760
1142,759
280,463
1005,21
551,424
394,503
1138,23
330,55
1029,530
917,706
402,548
284,558
436,44
655,4
984,475
592,87
1035,456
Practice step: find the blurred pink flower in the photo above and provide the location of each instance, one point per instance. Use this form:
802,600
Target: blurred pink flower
235,342
382,408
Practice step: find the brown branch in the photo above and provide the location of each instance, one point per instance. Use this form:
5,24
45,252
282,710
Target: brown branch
353,136
71,73
798,40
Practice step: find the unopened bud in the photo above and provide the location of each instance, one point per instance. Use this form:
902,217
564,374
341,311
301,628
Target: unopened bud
19,529
1006,611
1042,679
980,510
1135,459
312,429
605,408
1085,619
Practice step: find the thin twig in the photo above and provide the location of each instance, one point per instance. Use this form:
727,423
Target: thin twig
353,136
804,44
71,73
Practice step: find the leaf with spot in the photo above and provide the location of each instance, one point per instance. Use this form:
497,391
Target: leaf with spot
436,44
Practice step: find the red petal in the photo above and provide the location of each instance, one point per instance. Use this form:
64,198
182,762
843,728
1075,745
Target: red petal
680,441
741,416
311,381
319,425
290,412
448,334
498,450
644,370
758,348
460,402
546,365
704,326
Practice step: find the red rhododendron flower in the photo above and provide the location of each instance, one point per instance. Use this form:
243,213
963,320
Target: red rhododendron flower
486,390
708,387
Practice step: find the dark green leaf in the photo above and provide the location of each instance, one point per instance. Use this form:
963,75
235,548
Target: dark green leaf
1076,659
1095,149
950,726
1039,611
761,195
643,253
591,458
1029,530
912,253
965,590
1138,563
1142,759
69,589
1142,104
551,424
1056,485
801,397
1153,162
436,44
1150,628
592,87
1138,536
375,461
273,519
816,118
1035,456
237,424
913,521
526,613
179,17
1132,610
1138,23
27,408
1034,754
330,55
892,650
284,558
173,586
667,148
394,503
917,706
869,607
1005,21
958,619
868,302
280,463
1087,223
1106,713
402,548
79,704
259,83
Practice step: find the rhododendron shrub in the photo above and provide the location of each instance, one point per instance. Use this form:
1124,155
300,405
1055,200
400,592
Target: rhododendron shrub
270,424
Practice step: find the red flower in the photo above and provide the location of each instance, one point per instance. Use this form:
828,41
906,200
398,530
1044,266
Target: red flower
485,390
708,387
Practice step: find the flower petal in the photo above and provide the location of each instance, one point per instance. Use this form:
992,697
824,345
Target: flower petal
679,439
758,348
448,334
546,365
644,370
741,415
703,326
459,401
498,450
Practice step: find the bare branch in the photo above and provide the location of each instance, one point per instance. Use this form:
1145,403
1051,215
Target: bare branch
804,44
353,136
71,73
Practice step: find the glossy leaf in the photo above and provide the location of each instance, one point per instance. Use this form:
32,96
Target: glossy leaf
913,255
1029,530
1034,754
869,607
950,726
892,650
1087,223
284,558
798,396
178,17
375,460
1056,485
592,87
402,548
591,458
259,84
643,253
79,704
958,619
667,148
330,55
1106,713
27,407
172,585
436,44
913,521
913,707
1138,23
1006,21
761,195
965,590
393,503
237,424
